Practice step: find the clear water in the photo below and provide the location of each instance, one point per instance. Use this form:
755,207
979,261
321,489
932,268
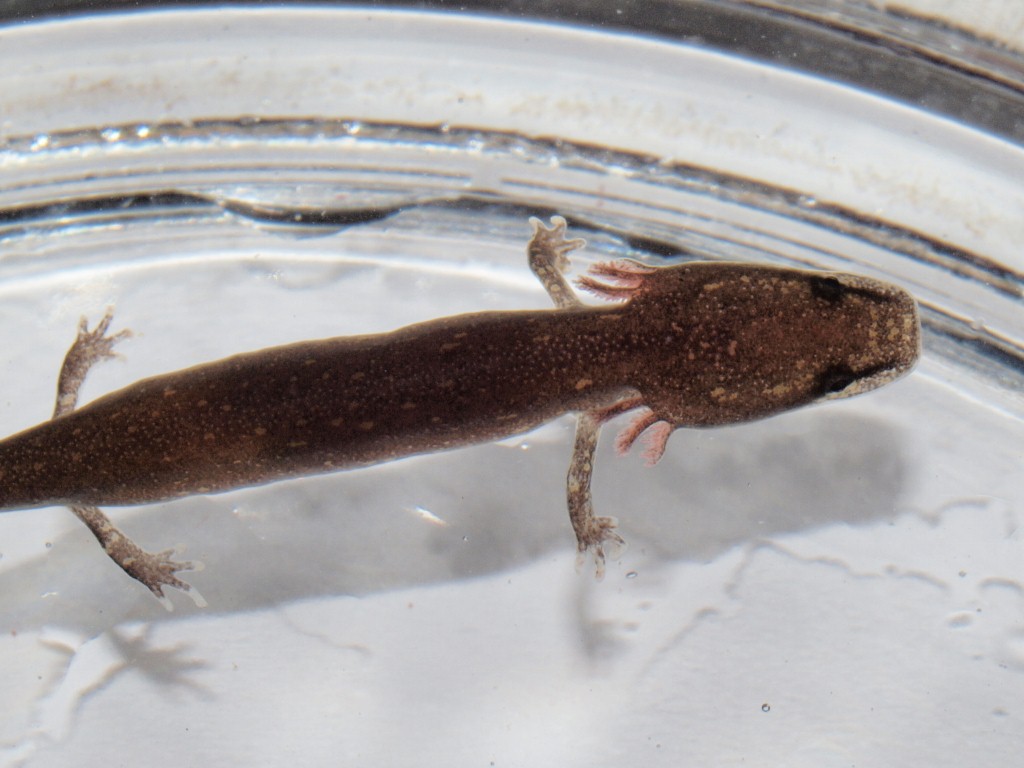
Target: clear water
831,587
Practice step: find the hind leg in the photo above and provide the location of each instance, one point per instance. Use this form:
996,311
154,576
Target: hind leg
158,570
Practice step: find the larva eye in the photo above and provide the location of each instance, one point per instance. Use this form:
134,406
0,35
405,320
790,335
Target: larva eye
835,379
827,288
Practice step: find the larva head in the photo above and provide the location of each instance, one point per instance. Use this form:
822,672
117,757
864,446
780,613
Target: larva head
726,343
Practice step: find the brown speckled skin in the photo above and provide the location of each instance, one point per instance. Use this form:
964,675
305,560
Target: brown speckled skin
703,344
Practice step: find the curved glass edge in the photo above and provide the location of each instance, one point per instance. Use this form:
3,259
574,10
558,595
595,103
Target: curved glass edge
921,60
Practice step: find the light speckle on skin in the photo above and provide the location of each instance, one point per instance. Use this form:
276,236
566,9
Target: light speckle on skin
366,426
584,383
260,431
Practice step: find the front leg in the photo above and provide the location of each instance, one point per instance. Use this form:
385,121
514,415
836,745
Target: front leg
593,533
548,255
155,571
